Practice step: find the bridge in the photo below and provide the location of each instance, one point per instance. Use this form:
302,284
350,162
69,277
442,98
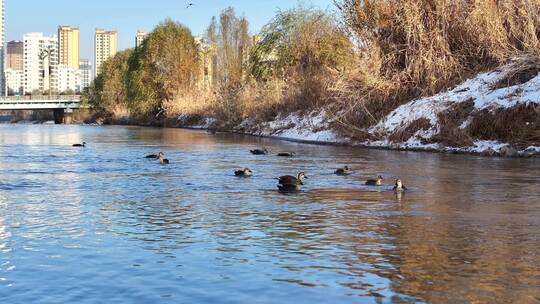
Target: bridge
60,104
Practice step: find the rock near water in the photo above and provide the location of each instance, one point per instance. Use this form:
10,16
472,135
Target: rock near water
508,151
530,152
489,152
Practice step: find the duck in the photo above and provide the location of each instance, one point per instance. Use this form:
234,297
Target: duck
246,172
343,171
163,160
399,186
262,151
154,156
291,183
81,145
375,182
286,154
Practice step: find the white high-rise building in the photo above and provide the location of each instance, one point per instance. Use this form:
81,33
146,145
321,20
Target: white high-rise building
139,38
69,80
85,66
14,82
40,63
2,48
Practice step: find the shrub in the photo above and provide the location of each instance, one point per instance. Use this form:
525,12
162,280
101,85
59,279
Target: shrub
107,94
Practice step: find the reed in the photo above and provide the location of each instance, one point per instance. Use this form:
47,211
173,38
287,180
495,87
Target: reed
413,48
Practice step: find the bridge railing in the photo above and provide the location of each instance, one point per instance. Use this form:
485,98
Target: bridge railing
41,98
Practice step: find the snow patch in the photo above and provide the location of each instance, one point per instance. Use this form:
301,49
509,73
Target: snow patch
479,90
314,126
206,123
484,145
535,149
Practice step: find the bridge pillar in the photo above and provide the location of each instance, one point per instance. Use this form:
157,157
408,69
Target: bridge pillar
68,116
59,116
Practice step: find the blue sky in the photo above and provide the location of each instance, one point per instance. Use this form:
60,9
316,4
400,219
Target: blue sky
127,16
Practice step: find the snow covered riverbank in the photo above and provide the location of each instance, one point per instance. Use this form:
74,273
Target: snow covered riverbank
470,118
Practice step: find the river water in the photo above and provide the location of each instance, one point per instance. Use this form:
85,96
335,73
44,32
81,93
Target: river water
103,225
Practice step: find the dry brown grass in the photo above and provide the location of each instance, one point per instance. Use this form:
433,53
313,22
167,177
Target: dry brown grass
407,132
120,112
518,126
413,48
262,101
522,73
196,102
450,121
307,91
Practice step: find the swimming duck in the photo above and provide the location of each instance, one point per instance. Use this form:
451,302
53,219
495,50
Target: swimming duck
154,156
286,154
375,182
262,151
399,186
163,160
291,183
80,145
343,171
246,172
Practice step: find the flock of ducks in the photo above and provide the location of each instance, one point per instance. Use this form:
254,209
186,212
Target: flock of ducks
287,183
292,183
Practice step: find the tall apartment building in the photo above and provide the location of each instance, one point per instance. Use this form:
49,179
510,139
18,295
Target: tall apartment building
68,46
139,38
14,74
14,82
15,55
69,79
2,49
85,66
40,63
106,45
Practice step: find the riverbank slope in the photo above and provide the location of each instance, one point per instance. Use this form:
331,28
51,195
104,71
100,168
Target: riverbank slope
495,114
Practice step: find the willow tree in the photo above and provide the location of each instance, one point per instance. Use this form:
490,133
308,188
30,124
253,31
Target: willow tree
300,40
231,42
211,37
304,48
163,67
107,94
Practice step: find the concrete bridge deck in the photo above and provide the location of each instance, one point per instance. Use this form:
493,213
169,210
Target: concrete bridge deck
61,105
52,102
